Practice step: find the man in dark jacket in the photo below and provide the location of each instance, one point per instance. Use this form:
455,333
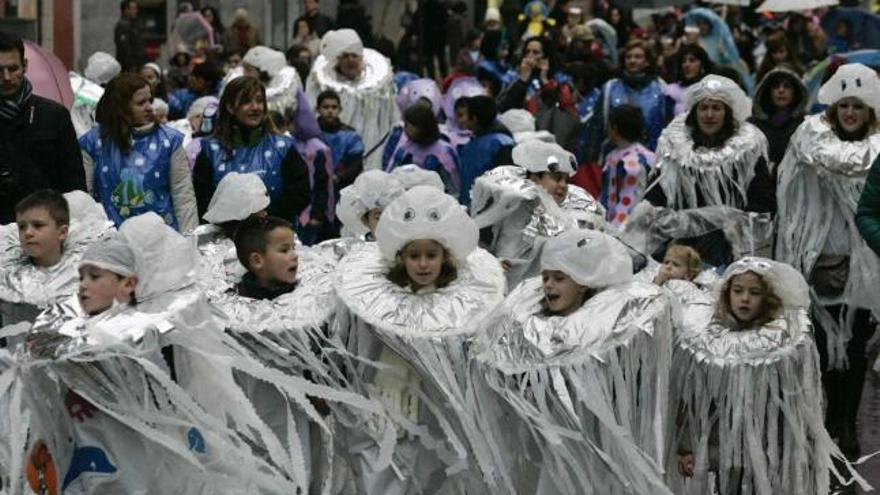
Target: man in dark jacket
318,22
130,51
38,147
868,213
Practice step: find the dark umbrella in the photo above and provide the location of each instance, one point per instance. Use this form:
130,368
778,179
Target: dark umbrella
48,75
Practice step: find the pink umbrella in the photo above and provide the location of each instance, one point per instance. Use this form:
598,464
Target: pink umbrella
48,75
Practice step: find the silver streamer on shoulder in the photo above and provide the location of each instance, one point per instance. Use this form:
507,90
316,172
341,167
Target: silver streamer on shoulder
588,392
720,176
420,342
820,182
750,408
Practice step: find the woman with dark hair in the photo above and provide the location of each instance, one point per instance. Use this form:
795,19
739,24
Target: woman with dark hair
423,145
779,53
779,108
538,70
246,141
638,85
820,181
213,17
133,165
693,64
710,156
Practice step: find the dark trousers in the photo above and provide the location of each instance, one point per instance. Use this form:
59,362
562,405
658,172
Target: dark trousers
843,388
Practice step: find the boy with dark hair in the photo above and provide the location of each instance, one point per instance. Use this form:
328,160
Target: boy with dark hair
345,143
43,220
489,147
266,246
625,172
204,80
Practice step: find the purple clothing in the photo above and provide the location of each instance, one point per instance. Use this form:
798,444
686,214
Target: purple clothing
317,154
440,156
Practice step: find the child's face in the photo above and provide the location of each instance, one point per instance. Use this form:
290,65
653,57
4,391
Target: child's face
423,260
98,288
41,238
371,219
464,118
746,297
329,110
675,267
562,294
280,262
555,183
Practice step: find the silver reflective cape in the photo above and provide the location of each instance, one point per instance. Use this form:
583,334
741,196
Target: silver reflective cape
24,288
820,181
587,392
368,105
750,408
420,341
720,176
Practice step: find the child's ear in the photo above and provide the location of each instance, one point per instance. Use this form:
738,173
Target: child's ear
127,289
255,260
63,231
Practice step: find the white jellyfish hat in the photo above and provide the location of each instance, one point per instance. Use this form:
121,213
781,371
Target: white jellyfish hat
423,212
237,197
112,254
265,59
518,120
372,189
340,41
539,156
852,80
101,68
591,258
722,89
786,283
412,175
165,261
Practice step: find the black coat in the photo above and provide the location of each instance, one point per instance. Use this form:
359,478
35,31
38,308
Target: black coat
38,150
130,50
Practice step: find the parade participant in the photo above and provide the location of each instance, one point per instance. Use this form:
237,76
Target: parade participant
246,141
412,175
490,144
317,221
237,198
41,249
282,81
106,276
693,65
204,80
679,263
424,146
423,91
779,107
154,75
521,124
266,246
37,139
361,204
626,169
410,300
134,165
525,204
88,89
710,156
363,79
581,346
345,143
820,181
638,86
760,329
453,109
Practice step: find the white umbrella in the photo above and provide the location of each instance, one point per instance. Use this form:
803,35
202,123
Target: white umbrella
790,5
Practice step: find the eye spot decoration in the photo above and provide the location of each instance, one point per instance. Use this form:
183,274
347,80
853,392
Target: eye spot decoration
584,242
409,215
433,215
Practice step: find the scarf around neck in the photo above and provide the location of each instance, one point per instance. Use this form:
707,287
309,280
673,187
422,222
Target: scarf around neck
10,108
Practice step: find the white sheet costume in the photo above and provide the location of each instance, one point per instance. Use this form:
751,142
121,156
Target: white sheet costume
421,339
25,289
89,88
820,181
581,399
522,215
750,400
368,104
